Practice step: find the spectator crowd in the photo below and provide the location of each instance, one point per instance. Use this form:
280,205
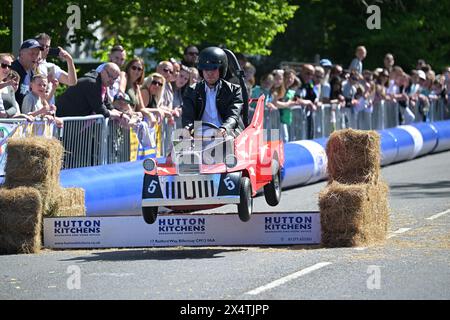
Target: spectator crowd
123,90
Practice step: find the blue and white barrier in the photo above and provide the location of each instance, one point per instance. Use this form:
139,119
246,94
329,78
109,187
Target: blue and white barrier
116,189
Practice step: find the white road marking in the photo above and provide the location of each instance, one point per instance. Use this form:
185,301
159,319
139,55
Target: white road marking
360,248
290,277
438,215
399,231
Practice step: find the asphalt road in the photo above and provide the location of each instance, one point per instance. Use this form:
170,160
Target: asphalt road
413,264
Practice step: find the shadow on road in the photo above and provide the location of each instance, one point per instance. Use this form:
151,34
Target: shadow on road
154,254
438,189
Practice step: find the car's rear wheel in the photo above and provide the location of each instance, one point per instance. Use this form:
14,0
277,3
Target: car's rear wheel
245,207
272,191
150,214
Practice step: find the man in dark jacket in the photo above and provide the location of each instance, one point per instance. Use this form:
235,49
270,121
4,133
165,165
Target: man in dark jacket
213,99
89,96
26,63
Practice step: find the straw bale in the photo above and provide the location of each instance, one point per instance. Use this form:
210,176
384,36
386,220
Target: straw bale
35,162
70,203
354,215
20,220
353,156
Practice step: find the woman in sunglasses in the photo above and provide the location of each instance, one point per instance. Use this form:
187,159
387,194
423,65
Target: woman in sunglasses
8,87
152,95
133,104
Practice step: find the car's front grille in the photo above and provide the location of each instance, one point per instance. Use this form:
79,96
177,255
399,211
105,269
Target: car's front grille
186,188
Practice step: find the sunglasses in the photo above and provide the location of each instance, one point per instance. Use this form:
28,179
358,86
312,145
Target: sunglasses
168,70
193,53
156,83
4,66
134,68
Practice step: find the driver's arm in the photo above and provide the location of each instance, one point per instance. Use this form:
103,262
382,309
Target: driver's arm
188,114
233,109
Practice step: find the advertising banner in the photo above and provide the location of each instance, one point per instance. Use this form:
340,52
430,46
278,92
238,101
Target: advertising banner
182,230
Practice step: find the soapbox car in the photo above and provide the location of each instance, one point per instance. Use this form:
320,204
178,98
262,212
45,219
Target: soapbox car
206,171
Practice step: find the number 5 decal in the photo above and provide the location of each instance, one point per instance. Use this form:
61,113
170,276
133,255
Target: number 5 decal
229,183
152,187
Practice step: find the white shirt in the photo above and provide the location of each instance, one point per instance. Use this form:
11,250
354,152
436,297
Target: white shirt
211,114
114,89
44,69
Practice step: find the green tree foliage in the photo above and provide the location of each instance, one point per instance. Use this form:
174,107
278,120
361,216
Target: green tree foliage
168,26
410,29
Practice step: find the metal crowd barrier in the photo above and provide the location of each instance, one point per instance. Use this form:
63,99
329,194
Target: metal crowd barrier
117,143
438,111
84,141
298,128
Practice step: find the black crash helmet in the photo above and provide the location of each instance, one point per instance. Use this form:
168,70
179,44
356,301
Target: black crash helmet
213,58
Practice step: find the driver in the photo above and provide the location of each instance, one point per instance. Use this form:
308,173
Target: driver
213,99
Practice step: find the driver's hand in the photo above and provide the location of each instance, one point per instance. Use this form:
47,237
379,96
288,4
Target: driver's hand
222,132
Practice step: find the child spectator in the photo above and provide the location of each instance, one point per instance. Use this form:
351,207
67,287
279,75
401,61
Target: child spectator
265,88
356,63
35,103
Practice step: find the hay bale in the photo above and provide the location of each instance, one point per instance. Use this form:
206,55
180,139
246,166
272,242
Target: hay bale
353,156
35,162
354,215
70,203
20,220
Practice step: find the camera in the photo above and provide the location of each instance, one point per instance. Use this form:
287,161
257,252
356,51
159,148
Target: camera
54,52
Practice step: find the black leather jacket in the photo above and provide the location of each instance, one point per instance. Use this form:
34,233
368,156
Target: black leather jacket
228,101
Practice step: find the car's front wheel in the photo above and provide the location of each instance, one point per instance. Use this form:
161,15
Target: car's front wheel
272,191
245,207
150,214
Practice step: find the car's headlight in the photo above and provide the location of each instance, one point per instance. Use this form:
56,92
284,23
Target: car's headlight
231,161
149,164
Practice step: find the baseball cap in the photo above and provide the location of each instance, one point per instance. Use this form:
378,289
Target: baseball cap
325,63
31,44
422,75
